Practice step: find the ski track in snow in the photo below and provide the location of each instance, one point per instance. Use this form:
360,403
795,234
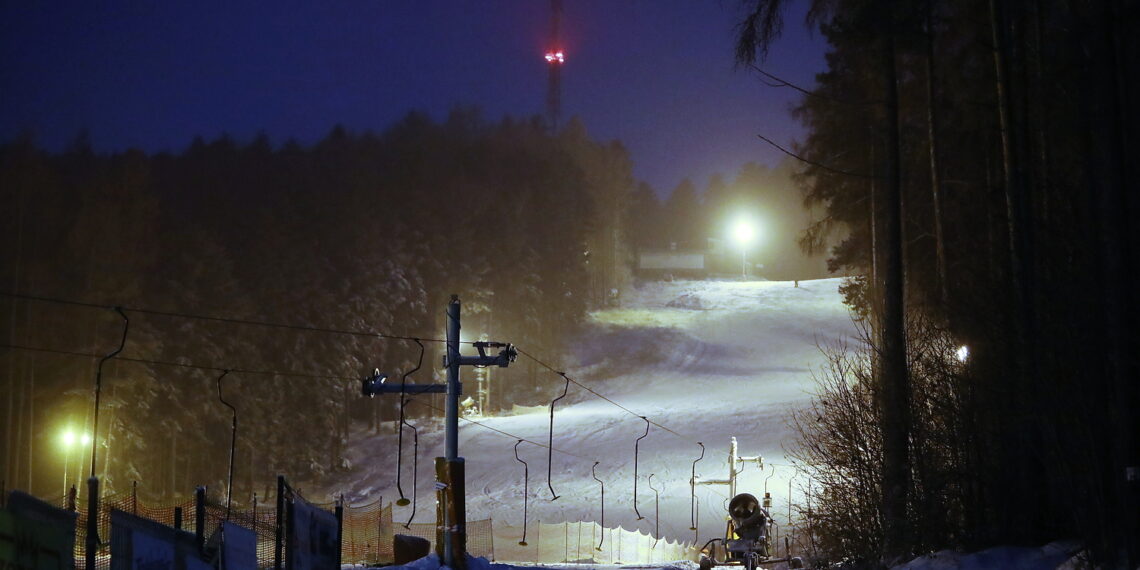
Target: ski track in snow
706,359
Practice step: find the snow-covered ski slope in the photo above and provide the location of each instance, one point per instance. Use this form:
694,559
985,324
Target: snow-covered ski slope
705,360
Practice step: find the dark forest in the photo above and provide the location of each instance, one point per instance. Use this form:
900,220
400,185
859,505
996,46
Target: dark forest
982,156
972,166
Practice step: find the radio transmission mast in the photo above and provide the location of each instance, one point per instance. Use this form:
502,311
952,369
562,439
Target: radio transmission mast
555,57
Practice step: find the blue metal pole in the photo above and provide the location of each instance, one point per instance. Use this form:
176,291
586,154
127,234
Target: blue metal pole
451,409
451,429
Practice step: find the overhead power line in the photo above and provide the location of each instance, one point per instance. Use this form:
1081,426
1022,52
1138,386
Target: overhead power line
814,163
211,368
306,328
229,320
543,364
232,370
781,82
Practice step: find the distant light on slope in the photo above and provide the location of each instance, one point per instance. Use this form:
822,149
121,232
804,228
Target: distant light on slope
743,232
962,353
555,57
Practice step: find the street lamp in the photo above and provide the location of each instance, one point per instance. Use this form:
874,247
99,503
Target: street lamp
69,439
743,233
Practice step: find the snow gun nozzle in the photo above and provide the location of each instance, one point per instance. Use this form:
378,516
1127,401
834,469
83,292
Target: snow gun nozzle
403,502
522,543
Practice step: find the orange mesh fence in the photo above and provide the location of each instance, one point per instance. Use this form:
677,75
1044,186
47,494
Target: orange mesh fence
366,534
480,542
366,530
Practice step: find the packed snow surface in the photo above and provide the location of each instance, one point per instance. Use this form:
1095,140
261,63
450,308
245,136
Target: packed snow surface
704,360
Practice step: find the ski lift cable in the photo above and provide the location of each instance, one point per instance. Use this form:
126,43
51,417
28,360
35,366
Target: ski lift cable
636,455
415,473
693,490
211,368
550,453
289,374
594,392
233,445
99,383
602,524
526,489
499,431
656,507
400,438
227,320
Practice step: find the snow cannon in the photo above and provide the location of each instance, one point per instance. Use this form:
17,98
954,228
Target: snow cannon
746,537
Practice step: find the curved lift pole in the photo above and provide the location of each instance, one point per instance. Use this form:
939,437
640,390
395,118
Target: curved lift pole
451,536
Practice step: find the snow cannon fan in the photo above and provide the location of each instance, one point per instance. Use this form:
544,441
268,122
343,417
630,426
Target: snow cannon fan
746,515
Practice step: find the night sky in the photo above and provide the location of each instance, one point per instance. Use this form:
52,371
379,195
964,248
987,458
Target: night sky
656,74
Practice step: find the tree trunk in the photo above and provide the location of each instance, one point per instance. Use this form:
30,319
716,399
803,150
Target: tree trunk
935,175
1112,175
894,382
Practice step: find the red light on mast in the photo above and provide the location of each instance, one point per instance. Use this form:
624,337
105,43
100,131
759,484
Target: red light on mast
555,57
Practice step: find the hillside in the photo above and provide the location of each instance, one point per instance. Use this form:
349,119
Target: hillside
704,360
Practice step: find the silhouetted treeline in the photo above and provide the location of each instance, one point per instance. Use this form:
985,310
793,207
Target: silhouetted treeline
1004,132
358,232
700,219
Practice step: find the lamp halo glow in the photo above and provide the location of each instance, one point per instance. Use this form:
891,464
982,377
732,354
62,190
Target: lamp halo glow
743,232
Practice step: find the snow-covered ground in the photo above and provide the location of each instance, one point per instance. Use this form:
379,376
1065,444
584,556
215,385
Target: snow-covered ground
708,360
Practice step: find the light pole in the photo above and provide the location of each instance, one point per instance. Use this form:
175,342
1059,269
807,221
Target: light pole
743,233
69,439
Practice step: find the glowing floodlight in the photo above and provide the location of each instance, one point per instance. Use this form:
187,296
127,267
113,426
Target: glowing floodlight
962,353
743,233
555,57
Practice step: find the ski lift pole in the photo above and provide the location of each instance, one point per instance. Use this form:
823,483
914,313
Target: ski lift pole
454,523
451,535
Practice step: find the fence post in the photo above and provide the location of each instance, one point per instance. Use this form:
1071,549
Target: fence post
91,544
339,530
200,517
578,547
618,560
441,543
71,494
178,518
279,523
135,498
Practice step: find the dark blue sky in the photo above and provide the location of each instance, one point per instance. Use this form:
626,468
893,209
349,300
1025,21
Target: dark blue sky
656,74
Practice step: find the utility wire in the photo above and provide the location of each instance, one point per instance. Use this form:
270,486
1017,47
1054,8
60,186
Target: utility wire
501,432
269,324
817,164
179,364
594,392
781,82
232,370
228,320
371,334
